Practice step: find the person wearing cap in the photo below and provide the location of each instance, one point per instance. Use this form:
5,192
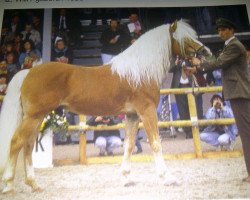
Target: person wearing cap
222,136
235,81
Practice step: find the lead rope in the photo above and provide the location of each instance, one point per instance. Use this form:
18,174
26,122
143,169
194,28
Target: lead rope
195,84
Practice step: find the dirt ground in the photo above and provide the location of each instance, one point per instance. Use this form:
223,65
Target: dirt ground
200,178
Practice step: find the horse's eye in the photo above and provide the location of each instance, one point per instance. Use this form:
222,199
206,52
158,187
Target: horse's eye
191,54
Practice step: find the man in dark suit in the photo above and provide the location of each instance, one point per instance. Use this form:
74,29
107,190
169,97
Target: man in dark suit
181,80
68,26
235,81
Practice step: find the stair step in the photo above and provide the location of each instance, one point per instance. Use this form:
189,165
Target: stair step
84,52
87,61
92,34
88,56
93,28
91,43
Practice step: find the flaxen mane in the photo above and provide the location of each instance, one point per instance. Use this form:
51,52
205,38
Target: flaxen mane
149,57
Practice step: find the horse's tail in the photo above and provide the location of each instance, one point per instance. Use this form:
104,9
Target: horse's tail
11,115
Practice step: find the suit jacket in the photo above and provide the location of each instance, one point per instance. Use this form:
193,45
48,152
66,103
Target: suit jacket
235,77
176,70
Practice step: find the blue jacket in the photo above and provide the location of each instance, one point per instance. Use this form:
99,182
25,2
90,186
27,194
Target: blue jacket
226,112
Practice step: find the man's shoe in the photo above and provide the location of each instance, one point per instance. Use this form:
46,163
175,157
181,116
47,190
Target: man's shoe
139,151
102,153
189,135
110,153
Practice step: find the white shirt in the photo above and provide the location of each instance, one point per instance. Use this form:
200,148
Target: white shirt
64,22
184,80
228,40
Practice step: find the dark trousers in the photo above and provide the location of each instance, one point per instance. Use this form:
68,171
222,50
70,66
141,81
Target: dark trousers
241,110
182,104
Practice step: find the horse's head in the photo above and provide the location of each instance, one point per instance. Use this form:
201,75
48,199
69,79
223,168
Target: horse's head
184,41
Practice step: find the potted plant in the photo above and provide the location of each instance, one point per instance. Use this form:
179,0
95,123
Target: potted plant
42,152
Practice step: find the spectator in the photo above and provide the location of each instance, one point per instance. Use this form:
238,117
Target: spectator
181,80
138,143
31,34
106,141
11,65
219,135
9,48
15,26
67,26
134,27
3,67
3,84
217,77
29,56
18,42
137,139
6,34
61,53
36,22
113,40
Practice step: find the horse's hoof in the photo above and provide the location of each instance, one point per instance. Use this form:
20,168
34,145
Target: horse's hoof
37,190
129,184
125,172
8,191
171,181
127,181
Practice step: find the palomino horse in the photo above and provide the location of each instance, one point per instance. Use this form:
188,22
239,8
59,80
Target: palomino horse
129,84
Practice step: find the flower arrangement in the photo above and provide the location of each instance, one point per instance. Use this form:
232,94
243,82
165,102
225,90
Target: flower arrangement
55,122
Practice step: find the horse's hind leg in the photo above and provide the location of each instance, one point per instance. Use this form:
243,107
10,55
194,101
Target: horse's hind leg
149,119
21,136
131,126
29,170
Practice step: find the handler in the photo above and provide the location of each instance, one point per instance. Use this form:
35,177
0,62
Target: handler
235,81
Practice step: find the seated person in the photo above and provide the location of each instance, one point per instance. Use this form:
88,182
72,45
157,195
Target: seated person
3,84
8,47
12,66
61,53
105,140
29,56
31,34
3,67
219,135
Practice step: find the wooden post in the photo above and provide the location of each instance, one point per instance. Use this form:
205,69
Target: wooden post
83,148
195,127
83,143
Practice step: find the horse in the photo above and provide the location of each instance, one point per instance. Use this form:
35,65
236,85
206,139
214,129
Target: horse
128,84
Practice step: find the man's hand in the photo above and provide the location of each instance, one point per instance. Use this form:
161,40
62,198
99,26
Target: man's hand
106,121
98,118
114,40
189,70
196,61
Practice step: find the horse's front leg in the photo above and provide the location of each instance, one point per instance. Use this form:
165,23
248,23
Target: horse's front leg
149,119
131,126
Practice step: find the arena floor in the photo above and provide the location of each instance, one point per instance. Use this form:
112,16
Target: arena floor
218,178
200,179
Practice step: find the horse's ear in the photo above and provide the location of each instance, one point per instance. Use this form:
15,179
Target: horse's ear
173,26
